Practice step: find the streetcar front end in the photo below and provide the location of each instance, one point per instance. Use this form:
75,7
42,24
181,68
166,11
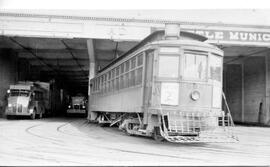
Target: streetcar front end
187,93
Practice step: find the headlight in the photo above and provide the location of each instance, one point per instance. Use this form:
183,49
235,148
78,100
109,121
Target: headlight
31,110
9,105
69,106
195,95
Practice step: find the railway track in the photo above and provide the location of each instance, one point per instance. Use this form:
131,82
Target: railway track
71,141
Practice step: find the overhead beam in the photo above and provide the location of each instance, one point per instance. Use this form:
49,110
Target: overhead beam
40,60
60,63
62,68
107,54
56,59
57,55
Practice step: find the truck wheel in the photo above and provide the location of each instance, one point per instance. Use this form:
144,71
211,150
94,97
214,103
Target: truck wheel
8,116
40,115
33,115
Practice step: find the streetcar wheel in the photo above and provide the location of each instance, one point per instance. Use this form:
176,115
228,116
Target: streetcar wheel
156,135
33,115
128,129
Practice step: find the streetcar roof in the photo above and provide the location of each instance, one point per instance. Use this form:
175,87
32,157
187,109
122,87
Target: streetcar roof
158,36
185,43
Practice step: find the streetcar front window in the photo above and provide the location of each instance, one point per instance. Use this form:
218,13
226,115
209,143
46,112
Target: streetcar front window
194,66
168,66
215,74
215,64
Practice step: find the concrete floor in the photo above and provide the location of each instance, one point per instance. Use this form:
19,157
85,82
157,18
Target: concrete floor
75,142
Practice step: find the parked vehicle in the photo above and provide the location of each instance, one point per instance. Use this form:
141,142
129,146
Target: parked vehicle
169,86
28,99
78,105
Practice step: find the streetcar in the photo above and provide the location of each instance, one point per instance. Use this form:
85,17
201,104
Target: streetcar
169,87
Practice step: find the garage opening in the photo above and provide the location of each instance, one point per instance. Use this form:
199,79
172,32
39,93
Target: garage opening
64,63
246,83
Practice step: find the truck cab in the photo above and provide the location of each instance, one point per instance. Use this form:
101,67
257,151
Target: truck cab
25,100
78,105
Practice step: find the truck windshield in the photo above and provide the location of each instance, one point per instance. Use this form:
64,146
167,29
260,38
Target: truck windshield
18,92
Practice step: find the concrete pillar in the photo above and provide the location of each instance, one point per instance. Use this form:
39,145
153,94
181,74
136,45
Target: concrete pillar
8,74
92,73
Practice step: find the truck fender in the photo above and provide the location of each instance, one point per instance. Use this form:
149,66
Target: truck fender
31,109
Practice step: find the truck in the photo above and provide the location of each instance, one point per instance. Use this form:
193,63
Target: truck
78,105
27,98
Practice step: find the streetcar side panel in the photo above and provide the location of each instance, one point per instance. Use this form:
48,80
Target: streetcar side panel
119,89
128,100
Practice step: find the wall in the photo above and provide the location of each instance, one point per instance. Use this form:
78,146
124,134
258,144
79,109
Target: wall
247,88
233,89
23,70
254,89
266,118
8,74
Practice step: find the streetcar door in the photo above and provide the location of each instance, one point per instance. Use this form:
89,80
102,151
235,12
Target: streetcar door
148,75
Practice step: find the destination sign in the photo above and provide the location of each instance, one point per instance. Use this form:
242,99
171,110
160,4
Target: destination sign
241,36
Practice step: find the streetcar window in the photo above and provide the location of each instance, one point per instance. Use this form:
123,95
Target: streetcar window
139,76
109,86
117,71
126,80
103,84
121,86
112,85
195,66
117,83
215,64
110,74
113,72
133,62
127,66
140,60
93,83
106,83
122,68
132,78
98,84
168,66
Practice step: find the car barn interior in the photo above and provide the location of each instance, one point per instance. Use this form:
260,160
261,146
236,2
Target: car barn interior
66,61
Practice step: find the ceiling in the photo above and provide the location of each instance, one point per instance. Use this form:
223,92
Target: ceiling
235,54
65,59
